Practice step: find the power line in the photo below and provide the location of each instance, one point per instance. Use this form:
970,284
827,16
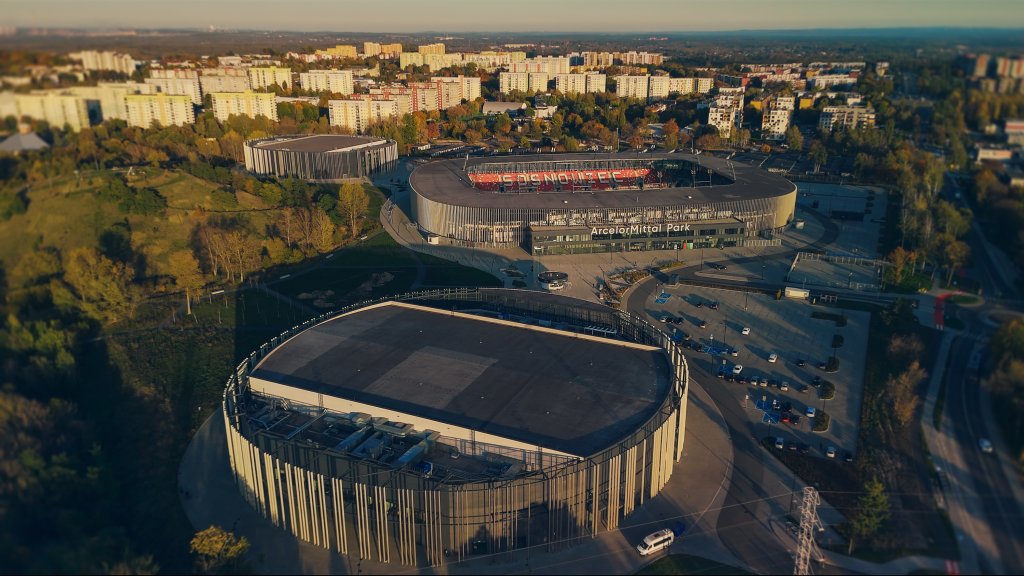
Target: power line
809,523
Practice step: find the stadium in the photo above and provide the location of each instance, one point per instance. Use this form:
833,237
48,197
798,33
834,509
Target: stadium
319,157
583,203
436,427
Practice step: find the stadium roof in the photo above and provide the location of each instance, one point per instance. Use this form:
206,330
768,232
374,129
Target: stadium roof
23,143
317,142
446,182
557,390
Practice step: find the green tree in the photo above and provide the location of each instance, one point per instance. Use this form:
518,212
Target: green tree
794,139
217,550
353,204
817,154
185,269
872,513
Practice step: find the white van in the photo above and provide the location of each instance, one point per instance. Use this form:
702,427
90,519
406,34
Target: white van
654,542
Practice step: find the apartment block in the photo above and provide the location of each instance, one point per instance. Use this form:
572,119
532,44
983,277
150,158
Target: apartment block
522,81
334,81
776,117
581,83
381,50
632,86
105,61
726,113
110,97
550,65
634,58
357,114
265,77
848,117
162,109
251,104
59,110
437,48
178,86
224,80
454,89
339,51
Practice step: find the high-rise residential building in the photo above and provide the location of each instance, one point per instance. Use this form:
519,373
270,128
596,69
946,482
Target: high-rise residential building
340,51
726,113
111,97
334,81
658,86
406,59
826,81
848,117
549,65
581,83
224,80
163,109
59,110
592,60
452,90
177,82
634,58
105,61
632,86
437,48
357,114
523,81
265,77
251,104
381,50
776,117
416,97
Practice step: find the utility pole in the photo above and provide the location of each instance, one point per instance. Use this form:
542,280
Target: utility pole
809,524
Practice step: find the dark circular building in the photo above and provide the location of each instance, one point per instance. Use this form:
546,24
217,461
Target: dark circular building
319,157
437,426
581,203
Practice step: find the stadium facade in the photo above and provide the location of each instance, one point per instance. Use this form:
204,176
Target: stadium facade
408,430
319,157
582,203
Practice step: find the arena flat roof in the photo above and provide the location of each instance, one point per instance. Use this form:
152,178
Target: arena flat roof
553,389
446,182
317,143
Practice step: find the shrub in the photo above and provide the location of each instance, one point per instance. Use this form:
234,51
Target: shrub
821,421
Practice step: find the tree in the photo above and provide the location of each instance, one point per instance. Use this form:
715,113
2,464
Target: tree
954,255
818,154
322,231
872,513
903,394
353,204
217,549
101,288
794,139
900,259
185,269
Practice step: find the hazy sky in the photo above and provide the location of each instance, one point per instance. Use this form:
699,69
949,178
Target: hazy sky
512,15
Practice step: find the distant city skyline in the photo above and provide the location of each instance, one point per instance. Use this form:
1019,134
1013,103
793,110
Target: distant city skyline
455,16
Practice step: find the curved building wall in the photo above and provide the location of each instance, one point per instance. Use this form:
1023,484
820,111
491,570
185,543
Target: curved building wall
507,226
397,515
351,162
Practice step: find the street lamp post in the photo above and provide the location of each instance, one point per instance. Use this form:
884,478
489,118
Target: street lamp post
849,283
762,271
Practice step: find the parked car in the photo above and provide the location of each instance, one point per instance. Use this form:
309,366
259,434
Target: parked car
784,385
847,456
737,369
830,452
822,365
762,382
654,542
713,305
773,357
986,445
800,362
780,443
810,412
699,304
734,352
745,331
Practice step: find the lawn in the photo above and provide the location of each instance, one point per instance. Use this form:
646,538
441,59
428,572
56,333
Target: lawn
687,564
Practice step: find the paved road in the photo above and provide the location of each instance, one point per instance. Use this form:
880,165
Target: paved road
993,493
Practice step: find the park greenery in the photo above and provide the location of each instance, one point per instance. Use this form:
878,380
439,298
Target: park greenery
1007,383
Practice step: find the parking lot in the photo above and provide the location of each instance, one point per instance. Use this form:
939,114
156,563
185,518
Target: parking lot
787,329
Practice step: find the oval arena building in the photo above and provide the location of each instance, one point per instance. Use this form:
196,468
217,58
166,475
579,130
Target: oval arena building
582,203
440,426
319,157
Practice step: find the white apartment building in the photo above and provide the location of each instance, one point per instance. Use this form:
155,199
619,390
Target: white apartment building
634,58
726,114
178,86
334,81
264,77
455,89
59,110
357,114
848,117
690,85
416,97
381,50
224,80
437,48
162,109
826,81
251,104
106,60
592,60
776,118
110,97
581,83
522,81
632,86
652,87
550,65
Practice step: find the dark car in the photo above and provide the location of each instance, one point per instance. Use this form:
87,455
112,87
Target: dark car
787,406
802,388
848,456
817,381
713,305
742,380
791,446
822,365
703,324
805,448
699,304
800,362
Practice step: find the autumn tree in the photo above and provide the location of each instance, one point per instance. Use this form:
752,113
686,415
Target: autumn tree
101,289
185,269
899,259
216,549
794,139
353,204
902,392
322,231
